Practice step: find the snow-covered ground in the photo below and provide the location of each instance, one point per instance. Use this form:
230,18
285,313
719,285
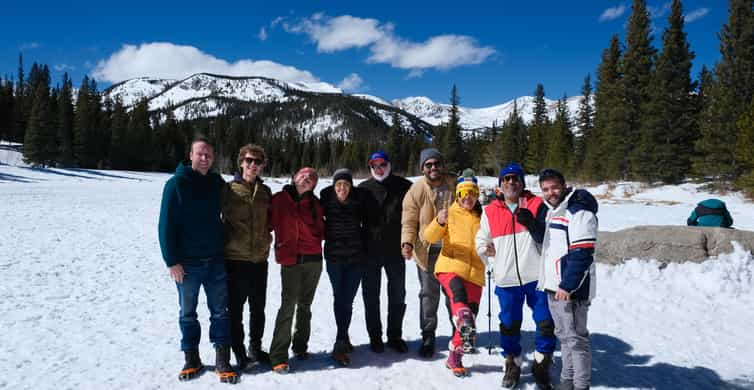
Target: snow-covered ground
87,302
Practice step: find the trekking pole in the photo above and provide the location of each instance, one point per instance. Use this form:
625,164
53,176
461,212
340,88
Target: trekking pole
489,313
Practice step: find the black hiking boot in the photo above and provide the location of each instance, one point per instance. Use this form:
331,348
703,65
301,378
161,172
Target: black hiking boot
376,344
427,348
192,367
398,345
223,369
257,355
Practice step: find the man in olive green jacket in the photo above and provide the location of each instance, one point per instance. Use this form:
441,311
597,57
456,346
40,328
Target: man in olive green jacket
426,197
246,208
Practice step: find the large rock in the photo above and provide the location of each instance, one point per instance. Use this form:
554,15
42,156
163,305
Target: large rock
669,244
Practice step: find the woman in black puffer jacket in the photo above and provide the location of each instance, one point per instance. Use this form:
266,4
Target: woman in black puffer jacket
345,209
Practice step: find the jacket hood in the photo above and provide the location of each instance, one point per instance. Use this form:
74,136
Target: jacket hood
577,199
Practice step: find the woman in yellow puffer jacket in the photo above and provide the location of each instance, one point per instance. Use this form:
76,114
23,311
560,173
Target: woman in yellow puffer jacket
459,269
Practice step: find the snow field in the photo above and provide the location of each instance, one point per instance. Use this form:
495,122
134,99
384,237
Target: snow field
87,302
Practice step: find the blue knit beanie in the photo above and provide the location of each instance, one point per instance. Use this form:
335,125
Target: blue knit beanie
511,169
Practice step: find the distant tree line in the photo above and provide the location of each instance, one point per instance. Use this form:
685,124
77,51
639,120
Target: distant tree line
644,118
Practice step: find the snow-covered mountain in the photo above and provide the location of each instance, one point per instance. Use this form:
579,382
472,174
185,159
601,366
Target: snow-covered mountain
318,107
475,118
206,95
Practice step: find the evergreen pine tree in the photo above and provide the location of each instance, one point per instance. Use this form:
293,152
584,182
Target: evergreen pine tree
744,151
452,143
538,137
82,127
36,138
139,137
511,141
65,122
6,109
586,140
560,147
729,97
118,132
668,130
637,66
605,160
19,119
395,143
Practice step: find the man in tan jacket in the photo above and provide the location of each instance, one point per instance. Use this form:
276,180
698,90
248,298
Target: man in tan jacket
246,208
425,198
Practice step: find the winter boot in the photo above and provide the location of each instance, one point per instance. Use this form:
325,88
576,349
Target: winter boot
242,360
454,362
466,328
398,345
541,370
340,353
222,365
193,366
376,344
427,348
512,371
257,355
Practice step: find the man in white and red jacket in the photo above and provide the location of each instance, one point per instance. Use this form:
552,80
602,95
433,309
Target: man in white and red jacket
568,272
508,238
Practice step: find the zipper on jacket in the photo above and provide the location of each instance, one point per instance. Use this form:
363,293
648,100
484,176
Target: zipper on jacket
515,249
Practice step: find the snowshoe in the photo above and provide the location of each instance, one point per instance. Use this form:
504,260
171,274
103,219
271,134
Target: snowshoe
467,329
193,366
281,368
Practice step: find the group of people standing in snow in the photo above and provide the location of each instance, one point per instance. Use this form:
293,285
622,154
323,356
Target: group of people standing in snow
540,250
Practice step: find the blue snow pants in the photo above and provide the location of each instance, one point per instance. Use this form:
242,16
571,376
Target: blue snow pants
511,314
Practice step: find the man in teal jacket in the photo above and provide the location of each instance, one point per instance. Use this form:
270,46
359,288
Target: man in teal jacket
191,240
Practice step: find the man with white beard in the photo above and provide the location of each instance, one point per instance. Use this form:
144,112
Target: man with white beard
383,248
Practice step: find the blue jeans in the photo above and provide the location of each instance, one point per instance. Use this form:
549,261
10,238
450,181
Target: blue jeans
345,279
395,269
511,314
211,275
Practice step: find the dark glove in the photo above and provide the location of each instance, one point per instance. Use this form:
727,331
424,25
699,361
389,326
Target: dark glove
525,217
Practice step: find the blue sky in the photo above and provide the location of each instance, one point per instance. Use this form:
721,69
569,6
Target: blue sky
493,51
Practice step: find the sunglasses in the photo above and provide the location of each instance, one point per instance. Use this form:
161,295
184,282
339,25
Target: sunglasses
469,192
511,179
380,165
255,161
430,165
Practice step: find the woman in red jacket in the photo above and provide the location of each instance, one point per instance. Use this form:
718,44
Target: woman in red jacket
296,217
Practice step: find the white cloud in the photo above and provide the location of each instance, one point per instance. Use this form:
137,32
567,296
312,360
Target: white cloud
351,83
346,32
262,35
167,60
440,52
29,45
63,67
696,15
613,13
339,33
